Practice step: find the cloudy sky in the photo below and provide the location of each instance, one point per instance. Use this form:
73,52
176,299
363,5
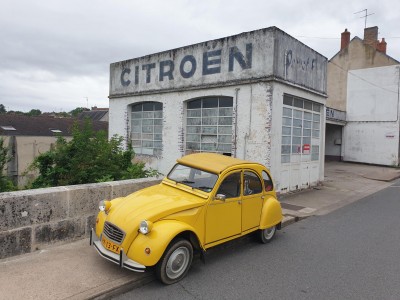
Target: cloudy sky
55,54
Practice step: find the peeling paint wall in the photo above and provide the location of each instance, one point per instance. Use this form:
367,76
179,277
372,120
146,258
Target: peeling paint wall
254,68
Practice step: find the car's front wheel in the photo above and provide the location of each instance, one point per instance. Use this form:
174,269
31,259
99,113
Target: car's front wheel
175,262
267,234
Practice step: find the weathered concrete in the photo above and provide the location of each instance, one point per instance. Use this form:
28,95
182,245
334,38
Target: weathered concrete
32,219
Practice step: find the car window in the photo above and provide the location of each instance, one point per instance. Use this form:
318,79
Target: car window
267,182
230,187
252,184
195,178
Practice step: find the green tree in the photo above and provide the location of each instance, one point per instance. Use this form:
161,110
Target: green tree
5,183
89,157
75,112
2,109
34,112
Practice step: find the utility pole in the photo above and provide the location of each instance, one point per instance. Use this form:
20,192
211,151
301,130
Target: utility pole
365,16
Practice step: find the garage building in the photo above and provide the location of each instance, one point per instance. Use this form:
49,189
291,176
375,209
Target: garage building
258,95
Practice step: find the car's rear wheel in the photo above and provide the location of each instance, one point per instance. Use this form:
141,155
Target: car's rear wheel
175,262
267,234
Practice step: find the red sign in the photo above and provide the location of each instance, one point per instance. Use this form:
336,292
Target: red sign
306,148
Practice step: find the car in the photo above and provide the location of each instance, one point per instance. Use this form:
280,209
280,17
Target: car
205,200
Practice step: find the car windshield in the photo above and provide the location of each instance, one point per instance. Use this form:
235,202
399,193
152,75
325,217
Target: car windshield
195,178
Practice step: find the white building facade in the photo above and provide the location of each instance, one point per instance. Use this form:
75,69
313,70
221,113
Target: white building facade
257,96
371,134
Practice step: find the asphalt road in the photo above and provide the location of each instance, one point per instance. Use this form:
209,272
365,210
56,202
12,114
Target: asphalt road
351,253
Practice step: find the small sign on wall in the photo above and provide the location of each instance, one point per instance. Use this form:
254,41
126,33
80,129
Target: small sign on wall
306,149
390,135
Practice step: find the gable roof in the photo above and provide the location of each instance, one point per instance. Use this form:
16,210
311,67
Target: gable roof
21,125
95,115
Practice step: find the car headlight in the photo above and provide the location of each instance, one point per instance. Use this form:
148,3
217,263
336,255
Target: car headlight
145,227
104,205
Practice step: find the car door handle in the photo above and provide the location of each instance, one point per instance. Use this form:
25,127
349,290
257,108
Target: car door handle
239,202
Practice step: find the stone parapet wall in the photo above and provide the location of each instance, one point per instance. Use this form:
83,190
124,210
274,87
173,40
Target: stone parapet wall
32,219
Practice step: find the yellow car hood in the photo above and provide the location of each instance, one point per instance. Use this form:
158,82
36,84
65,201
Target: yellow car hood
152,203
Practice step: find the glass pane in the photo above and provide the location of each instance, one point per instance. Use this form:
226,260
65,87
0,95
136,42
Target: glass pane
252,184
158,121
225,121
194,121
194,104
296,149
193,138
286,131
193,129
158,106
136,115
208,147
158,137
287,112
307,140
209,130
297,131
297,122
287,121
297,114
158,114
225,102
148,114
147,136
148,106
147,144
315,134
225,129
147,122
158,145
194,113
298,103
210,112
317,107
225,112
210,121
306,132
316,117
307,124
136,143
226,148
157,129
286,140
307,105
193,146
210,102
316,125
296,140
137,129
288,100
224,139
137,107
147,129
307,116
285,149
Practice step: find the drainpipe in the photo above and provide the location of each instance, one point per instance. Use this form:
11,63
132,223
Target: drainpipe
236,121
246,137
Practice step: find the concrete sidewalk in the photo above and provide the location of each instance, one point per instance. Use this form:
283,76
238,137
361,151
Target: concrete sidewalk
75,270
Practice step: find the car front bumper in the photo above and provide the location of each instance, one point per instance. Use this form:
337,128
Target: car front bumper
120,259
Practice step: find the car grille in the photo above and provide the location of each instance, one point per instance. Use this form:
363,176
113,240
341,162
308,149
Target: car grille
113,233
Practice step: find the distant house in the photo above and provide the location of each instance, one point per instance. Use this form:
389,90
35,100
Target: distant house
358,108
96,114
27,137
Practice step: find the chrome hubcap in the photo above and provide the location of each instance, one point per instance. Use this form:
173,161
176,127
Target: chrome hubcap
269,232
177,262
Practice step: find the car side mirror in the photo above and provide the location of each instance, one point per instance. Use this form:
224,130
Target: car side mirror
220,197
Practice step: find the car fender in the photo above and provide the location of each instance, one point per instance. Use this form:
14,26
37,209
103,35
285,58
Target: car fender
162,233
271,212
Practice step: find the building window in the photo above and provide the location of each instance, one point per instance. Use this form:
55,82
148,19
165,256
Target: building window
209,125
301,130
146,128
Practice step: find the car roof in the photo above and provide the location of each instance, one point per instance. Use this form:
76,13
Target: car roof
211,162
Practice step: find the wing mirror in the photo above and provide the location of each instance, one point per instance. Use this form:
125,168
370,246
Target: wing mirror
220,197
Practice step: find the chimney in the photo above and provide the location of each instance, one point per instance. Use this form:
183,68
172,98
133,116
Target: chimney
382,46
371,36
345,41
